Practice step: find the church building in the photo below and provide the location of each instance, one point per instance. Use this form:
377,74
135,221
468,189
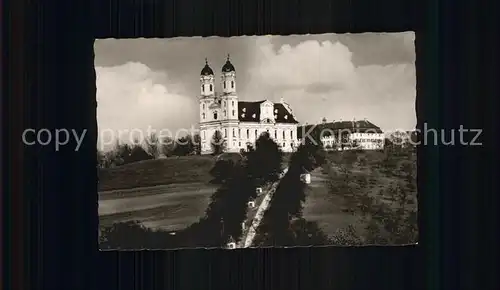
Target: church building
241,122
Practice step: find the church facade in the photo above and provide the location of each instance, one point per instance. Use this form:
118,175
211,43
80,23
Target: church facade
240,123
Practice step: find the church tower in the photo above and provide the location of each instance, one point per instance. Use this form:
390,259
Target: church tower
207,80
207,95
229,96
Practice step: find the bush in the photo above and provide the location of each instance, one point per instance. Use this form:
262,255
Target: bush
133,235
346,237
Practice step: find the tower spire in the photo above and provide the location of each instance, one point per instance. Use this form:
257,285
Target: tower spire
228,57
206,61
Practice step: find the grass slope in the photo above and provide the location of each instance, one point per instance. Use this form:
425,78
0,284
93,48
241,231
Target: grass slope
368,174
185,169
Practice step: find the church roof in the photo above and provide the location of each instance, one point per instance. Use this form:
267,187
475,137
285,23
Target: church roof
350,126
207,70
250,112
228,66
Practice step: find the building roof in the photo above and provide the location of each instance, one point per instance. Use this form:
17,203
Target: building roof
228,66
347,126
207,70
250,112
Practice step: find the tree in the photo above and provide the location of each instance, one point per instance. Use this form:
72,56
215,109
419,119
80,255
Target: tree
221,171
152,144
197,144
167,146
101,159
346,237
355,145
218,143
307,233
264,163
184,146
137,153
120,153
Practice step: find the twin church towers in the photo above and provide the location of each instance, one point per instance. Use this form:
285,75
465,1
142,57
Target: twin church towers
228,79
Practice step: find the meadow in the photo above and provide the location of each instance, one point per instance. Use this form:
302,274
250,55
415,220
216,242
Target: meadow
351,186
168,194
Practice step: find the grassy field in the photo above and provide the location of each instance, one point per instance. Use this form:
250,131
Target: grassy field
169,193
185,169
164,206
322,207
370,174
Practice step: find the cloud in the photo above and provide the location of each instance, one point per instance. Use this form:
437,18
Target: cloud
319,79
134,97
310,63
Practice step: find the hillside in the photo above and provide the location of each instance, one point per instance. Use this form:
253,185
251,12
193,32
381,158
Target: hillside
370,174
185,169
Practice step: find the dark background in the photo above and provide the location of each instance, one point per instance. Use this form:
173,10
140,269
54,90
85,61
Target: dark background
50,198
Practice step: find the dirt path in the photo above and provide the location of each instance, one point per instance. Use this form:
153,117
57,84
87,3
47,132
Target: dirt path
249,236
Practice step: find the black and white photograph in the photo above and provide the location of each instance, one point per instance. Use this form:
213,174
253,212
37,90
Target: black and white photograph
257,141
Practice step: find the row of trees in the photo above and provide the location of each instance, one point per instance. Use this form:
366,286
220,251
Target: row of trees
283,224
151,148
389,218
227,210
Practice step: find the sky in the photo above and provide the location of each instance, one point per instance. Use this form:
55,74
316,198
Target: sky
154,83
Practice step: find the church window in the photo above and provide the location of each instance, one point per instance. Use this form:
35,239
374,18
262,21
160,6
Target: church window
215,115
248,134
203,88
291,134
256,134
232,103
211,87
224,113
232,84
284,144
233,113
275,134
239,133
283,134
225,132
239,144
224,84
203,106
234,132
203,116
